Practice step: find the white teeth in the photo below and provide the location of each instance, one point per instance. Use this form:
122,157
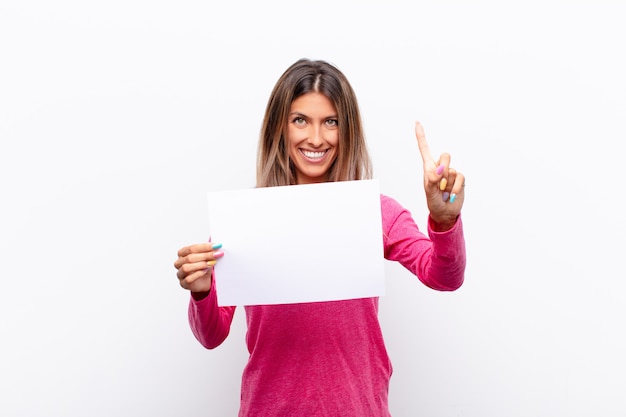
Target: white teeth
313,155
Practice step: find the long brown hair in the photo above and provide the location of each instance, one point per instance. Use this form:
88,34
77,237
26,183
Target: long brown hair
353,162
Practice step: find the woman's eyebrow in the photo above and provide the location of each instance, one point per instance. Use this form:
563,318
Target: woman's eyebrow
297,113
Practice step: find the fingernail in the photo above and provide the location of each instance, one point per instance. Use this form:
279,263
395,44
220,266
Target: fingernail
452,197
442,184
211,263
440,169
217,246
445,196
218,254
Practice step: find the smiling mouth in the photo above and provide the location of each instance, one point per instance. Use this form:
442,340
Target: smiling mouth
313,155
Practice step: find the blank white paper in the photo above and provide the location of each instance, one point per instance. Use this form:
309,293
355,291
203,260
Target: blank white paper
299,243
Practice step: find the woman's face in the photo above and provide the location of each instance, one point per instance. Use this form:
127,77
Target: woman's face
312,137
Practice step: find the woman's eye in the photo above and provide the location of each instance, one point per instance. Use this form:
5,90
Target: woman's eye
332,122
298,121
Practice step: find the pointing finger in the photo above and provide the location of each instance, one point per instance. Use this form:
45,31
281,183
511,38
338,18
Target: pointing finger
422,144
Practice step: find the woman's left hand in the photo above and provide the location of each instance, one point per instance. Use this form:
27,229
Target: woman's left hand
444,186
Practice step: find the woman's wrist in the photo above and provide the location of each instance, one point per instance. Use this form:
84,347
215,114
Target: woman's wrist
442,225
200,295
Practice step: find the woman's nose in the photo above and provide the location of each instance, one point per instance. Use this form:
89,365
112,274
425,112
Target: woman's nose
315,137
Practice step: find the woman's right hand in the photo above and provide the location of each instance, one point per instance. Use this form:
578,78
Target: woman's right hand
195,266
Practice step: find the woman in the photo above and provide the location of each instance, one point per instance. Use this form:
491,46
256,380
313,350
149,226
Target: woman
326,358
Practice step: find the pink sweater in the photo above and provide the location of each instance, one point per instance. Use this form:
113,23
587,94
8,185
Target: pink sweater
329,358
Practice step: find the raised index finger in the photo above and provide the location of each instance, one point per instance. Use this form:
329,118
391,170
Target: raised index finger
422,144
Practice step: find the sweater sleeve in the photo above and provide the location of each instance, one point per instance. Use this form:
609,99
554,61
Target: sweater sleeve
438,260
210,323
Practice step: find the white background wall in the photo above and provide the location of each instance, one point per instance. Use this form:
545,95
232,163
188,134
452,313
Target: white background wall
116,117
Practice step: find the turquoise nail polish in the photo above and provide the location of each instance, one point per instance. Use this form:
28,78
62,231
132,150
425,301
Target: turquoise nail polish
217,246
452,197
